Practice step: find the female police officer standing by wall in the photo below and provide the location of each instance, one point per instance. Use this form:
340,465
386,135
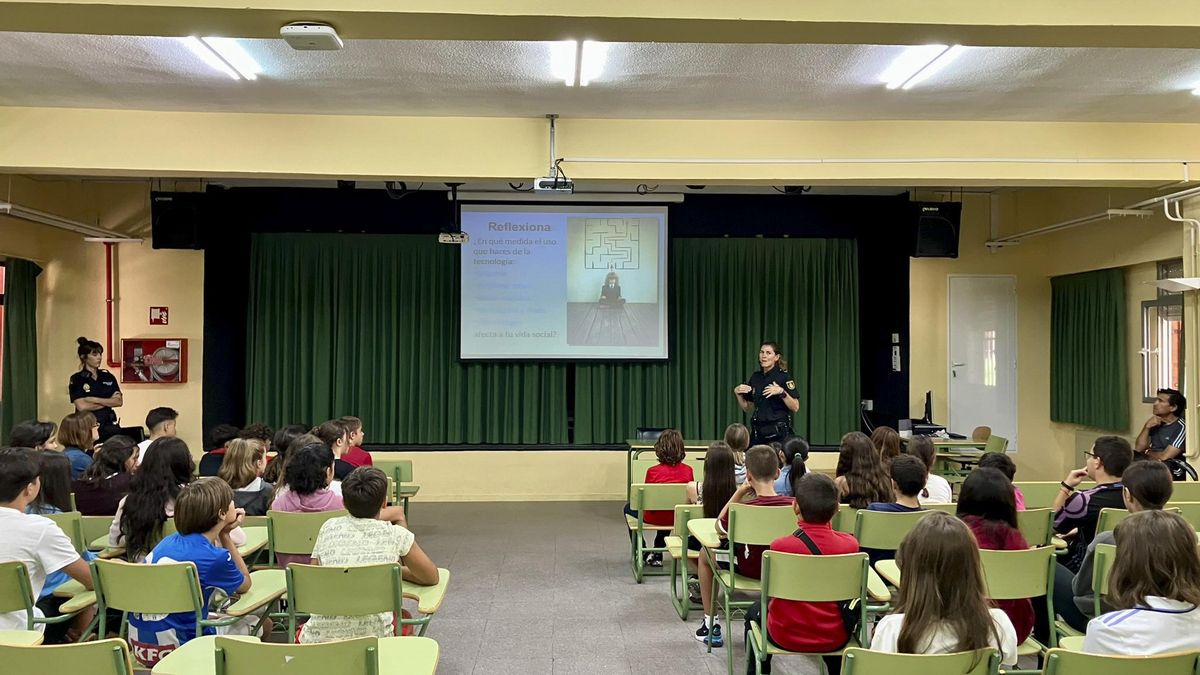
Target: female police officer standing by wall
771,394
94,389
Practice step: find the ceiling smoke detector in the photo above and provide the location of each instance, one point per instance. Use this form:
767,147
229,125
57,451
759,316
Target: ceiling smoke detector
310,36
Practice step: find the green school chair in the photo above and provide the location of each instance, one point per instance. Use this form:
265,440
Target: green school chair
361,656
748,526
16,595
358,591
104,657
650,497
637,467
859,661
808,578
166,588
1036,525
996,444
1110,518
95,531
1186,491
677,546
1189,510
71,523
951,508
1063,662
884,530
846,517
1016,575
1040,494
294,532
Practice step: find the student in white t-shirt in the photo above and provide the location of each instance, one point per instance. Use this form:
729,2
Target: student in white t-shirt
33,540
937,489
161,423
942,606
361,538
1155,584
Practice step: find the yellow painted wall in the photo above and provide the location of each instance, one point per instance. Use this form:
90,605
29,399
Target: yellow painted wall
71,292
1046,449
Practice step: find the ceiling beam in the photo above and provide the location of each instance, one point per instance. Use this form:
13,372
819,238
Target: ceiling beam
276,146
1033,23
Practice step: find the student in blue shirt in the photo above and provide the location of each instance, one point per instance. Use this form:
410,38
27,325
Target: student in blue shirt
792,459
78,432
204,517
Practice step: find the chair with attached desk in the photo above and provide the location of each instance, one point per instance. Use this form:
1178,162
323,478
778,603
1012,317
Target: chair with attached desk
677,547
1102,562
168,588
995,444
359,591
71,523
860,661
846,519
639,465
1017,575
650,497
361,656
808,578
1036,525
16,595
884,530
1189,510
95,531
950,508
748,526
103,657
1040,494
1110,518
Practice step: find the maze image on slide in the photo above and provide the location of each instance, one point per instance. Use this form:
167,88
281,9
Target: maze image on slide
612,243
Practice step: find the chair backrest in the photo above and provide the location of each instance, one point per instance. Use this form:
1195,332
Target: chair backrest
858,661
161,588
996,443
1102,563
1012,575
951,508
637,470
1110,518
344,591
359,656
1063,662
814,578
760,525
981,434
684,513
884,530
1186,491
1036,525
16,593
656,496
70,522
255,521
1189,510
846,519
104,657
296,532
94,527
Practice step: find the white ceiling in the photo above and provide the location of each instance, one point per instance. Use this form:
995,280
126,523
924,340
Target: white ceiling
640,80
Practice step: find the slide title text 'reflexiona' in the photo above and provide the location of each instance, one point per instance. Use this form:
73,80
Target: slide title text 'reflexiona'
518,227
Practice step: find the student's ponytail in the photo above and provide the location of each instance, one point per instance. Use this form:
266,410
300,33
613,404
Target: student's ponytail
798,470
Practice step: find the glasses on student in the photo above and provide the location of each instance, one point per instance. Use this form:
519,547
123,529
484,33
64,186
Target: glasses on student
1090,454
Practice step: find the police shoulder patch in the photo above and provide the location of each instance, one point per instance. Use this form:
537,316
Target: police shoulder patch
87,387
791,384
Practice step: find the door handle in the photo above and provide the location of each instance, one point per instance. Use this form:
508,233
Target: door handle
957,365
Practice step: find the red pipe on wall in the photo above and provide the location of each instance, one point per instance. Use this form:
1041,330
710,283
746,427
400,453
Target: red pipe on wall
108,303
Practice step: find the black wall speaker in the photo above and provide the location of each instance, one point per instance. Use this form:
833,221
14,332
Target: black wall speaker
177,219
936,231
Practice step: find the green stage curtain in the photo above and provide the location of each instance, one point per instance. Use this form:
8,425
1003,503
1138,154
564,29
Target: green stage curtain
727,295
18,400
367,325
1089,369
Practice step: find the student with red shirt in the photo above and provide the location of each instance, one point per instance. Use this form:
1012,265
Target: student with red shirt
670,469
986,504
355,456
812,627
762,468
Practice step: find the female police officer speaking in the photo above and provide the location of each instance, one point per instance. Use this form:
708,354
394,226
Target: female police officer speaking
771,393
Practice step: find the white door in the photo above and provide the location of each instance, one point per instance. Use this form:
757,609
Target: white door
983,355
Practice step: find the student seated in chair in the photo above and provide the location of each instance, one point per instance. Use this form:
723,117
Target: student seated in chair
36,542
1076,512
908,479
1148,487
1154,586
362,538
762,468
205,517
809,626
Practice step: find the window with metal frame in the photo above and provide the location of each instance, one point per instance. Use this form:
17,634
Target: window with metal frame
1162,336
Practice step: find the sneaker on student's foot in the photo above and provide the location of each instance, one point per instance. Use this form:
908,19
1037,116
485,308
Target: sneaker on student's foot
654,560
702,631
693,586
714,636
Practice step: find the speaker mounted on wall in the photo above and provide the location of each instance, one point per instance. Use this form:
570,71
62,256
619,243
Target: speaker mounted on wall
177,219
936,230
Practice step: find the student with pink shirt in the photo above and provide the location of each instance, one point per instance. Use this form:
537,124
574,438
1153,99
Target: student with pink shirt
1001,462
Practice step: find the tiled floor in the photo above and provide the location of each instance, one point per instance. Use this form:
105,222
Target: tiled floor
541,588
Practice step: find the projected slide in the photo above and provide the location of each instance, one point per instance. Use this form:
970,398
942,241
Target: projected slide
564,283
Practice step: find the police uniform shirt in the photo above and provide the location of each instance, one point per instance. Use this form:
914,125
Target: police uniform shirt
103,386
770,408
1164,436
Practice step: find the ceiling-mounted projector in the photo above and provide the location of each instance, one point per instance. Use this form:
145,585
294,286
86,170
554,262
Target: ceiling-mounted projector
311,36
557,184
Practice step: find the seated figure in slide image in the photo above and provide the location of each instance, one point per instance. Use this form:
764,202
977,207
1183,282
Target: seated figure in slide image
610,292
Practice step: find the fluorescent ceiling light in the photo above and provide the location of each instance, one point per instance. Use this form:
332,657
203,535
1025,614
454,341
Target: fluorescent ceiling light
919,63
576,63
224,55
232,53
1196,91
